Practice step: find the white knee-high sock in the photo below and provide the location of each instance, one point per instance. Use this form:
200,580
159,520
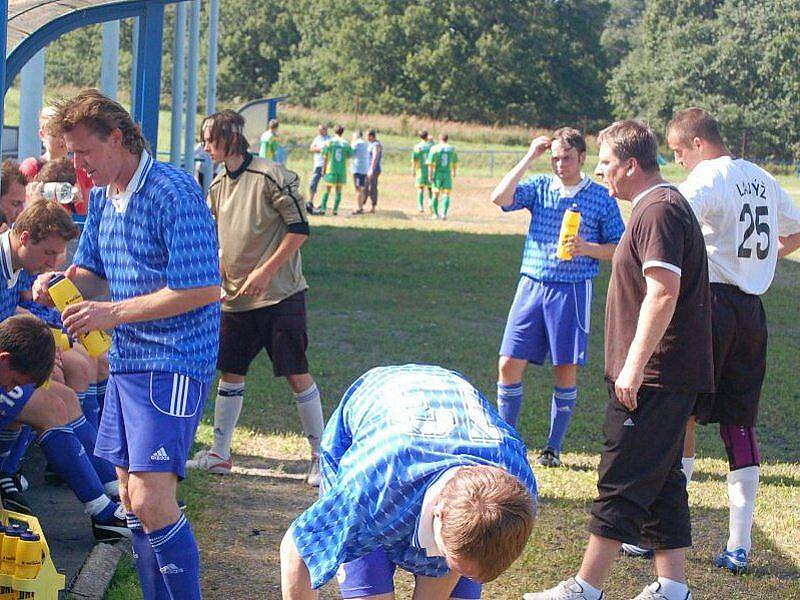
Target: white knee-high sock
309,407
742,488
687,466
227,408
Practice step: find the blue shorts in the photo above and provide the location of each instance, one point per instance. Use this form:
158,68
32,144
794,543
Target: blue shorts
149,421
13,401
549,317
360,180
373,574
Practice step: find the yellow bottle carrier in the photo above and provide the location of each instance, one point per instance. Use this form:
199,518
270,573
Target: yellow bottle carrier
31,572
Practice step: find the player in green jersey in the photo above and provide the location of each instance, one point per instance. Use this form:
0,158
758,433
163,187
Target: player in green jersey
269,142
419,164
335,153
441,162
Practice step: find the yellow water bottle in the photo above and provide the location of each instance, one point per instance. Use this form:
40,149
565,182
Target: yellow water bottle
6,591
29,556
61,339
569,229
8,557
63,292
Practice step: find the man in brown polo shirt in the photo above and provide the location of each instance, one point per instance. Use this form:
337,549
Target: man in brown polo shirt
261,224
658,358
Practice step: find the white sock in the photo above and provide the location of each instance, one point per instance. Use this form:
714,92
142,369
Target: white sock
589,591
111,488
742,487
96,506
227,408
672,589
687,466
309,407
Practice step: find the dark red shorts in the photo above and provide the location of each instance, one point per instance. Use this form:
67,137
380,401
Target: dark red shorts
280,329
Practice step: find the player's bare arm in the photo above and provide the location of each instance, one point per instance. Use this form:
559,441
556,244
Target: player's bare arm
577,246
658,306
503,194
258,279
83,317
788,244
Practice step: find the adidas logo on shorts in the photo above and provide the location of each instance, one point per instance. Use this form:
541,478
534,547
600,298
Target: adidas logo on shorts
628,422
160,454
171,568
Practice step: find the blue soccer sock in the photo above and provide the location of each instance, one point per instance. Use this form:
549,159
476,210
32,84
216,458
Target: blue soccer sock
9,438
12,462
560,414
91,409
509,401
65,453
178,559
150,578
107,473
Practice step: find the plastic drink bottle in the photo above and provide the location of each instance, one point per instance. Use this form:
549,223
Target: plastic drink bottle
29,556
569,229
63,292
61,339
8,560
61,192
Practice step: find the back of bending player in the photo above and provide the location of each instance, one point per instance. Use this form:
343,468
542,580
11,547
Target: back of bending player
417,472
748,222
552,305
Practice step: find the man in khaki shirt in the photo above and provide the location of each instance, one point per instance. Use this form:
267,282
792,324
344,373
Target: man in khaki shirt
261,224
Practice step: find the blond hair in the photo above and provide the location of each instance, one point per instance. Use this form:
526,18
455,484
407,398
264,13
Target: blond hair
487,518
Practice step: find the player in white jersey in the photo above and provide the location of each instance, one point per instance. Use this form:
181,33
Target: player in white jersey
748,223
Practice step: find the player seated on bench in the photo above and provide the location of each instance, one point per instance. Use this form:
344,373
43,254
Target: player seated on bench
418,471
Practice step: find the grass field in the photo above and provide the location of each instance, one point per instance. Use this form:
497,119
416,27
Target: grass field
398,287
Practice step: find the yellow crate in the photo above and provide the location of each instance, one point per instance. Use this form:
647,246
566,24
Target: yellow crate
48,582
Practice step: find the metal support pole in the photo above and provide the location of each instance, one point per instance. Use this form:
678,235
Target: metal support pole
3,42
31,94
211,80
148,71
191,86
134,56
178,67
109,66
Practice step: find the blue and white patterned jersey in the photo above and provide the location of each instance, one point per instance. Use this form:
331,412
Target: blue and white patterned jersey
9,294
396,430
158,233
601,223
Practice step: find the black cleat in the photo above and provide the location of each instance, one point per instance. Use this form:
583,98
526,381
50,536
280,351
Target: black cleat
12,498
114,530
549,458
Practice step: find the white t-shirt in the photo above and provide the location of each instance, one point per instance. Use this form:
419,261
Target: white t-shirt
319,142
742,210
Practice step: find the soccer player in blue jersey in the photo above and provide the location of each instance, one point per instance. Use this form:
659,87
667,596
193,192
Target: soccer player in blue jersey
418,472
553,302
150,239
37,243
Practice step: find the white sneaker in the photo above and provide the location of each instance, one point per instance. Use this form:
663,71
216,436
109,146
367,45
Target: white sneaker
211,462
566,590
652,592
313,477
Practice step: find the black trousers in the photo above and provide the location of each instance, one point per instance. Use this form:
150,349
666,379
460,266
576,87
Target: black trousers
641,489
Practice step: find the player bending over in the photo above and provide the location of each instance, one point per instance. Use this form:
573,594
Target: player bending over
417,472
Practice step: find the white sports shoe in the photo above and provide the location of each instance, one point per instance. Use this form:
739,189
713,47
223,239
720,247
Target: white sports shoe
652,592
211,462
566,590
313,477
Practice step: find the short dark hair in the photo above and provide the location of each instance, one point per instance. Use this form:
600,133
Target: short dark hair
42,219
10,174
101,115
338,130
30,343
571,138
632,139
444,137
372,133
423,133
693,122
226,127
58,169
